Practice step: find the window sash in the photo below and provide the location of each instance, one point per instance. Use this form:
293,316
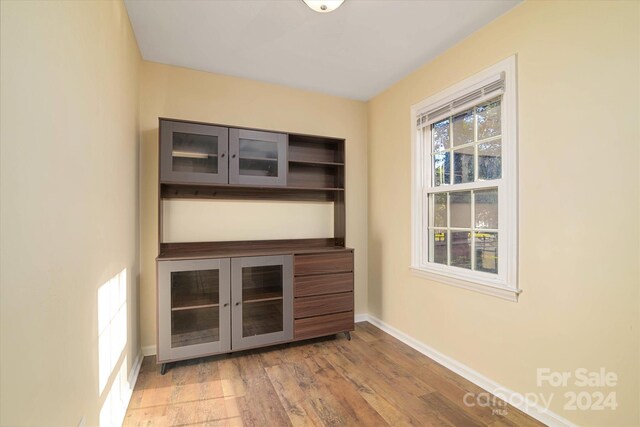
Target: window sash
428,216
424,139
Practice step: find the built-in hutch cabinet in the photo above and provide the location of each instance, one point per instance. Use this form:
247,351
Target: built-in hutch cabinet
219,297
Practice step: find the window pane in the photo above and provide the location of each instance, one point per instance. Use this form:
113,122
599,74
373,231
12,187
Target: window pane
438,246
486,252
486,207
489,120
461,249
490,160
463,165
463,128
460,203
440,135
441,168
439,203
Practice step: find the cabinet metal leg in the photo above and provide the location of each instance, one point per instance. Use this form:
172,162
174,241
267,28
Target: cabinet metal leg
163,369
348,335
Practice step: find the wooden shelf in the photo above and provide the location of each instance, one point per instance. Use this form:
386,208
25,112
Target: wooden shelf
202,250
178,185
313,162
191,155
170,190
260,295
194,307
260,159
262,300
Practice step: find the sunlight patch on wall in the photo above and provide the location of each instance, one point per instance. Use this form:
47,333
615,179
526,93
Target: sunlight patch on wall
112,326
115,404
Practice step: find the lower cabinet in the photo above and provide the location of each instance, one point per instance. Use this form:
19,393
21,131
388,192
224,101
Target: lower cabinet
210,306
262,295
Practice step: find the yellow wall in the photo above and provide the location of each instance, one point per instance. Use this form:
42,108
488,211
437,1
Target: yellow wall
69,174
168,91
224,220
578,71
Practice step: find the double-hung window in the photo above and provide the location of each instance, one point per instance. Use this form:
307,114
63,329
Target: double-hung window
465,184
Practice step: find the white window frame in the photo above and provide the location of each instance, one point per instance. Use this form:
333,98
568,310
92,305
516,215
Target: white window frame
505,283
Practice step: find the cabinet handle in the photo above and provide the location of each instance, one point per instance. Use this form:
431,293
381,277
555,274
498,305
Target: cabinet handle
222,155
237,303
233,156
226,304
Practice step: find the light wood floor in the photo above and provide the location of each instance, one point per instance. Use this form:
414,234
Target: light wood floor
372,380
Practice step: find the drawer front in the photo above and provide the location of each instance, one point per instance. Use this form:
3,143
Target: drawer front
322,304
323,284
323,263
323,325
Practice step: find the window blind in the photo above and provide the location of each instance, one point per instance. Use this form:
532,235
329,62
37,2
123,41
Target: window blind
483,91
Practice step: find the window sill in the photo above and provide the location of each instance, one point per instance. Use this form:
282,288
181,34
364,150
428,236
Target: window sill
483,288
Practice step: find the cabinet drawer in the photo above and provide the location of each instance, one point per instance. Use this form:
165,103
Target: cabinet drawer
322,304
323,263
323,325
323,284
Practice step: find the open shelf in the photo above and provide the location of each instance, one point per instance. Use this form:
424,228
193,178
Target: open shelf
315,150
315,175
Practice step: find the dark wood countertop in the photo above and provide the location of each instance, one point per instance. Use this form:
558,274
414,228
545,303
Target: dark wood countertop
203,250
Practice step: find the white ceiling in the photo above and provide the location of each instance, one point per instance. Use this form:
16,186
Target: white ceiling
355,52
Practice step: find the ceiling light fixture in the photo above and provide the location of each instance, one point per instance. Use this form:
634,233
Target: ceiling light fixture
323,6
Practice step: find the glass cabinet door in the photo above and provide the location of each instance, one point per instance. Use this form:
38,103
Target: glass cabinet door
262,295
194,308
257,158
192,152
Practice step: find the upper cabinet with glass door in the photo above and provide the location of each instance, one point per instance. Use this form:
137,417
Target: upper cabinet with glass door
193,153
207,154
257,158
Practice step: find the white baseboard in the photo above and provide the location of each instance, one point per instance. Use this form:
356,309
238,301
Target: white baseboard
361,318
149,350
135,370
133,378
541,414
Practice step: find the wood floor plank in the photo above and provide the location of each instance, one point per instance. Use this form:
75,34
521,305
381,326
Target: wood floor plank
387,367
410,404
352,402
293,399
372,380
322,399
448,412
373,391
261,401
